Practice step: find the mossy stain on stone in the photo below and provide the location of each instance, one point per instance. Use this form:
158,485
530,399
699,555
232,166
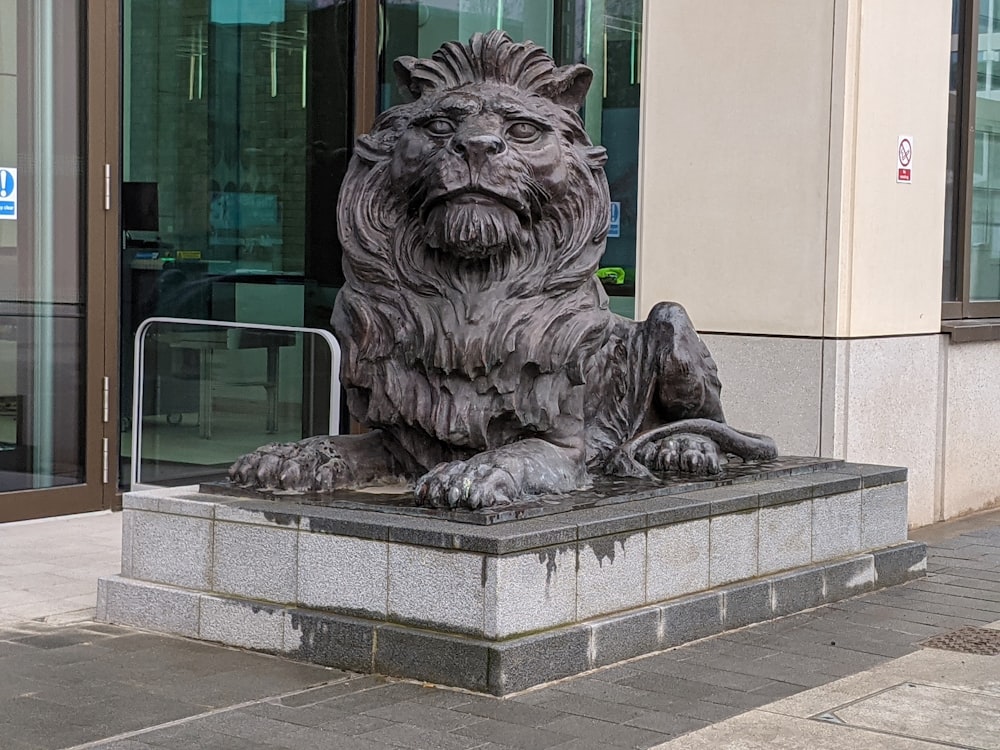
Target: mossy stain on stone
548,558
605,549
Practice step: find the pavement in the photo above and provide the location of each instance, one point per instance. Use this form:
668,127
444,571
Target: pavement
851,673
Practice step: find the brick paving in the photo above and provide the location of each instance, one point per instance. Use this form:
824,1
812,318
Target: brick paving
87,685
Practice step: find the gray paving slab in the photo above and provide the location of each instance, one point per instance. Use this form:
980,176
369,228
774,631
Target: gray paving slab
446,697
574,744
667,722
965,585
69,682
694,671
611,733
423,738
918,711
610,693
513,735
943,594
931,698
709,711
428,717
984,572
759,730
596,708
308,716
511,712
669,685
353,725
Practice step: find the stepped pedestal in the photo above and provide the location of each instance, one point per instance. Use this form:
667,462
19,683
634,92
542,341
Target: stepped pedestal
503,600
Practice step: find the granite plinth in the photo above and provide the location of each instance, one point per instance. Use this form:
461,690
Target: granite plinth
604,491
502,605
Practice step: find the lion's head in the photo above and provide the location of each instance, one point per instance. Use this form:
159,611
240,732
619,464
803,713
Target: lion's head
472,220
487,171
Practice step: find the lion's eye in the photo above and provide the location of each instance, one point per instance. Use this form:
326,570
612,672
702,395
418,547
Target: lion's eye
440,126
524,131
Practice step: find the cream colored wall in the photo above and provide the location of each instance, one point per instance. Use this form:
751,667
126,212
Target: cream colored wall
768,195
893,234
769,206
735,139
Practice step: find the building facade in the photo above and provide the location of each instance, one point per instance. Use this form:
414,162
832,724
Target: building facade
811,180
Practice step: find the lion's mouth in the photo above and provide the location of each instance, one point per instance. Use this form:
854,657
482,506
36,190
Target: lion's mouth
473,225
477,195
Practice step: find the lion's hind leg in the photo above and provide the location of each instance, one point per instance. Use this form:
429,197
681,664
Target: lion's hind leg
693,446
683,452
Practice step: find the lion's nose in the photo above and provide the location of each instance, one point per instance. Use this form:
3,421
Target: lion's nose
477,149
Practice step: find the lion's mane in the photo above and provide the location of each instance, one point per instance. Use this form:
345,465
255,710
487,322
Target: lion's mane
426,350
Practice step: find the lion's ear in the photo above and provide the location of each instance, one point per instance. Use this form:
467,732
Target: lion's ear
368,149
569,85
597,156
403,68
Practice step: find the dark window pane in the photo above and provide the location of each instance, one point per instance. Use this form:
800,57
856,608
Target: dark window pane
42,354
238,124
950,285
606,36
984,246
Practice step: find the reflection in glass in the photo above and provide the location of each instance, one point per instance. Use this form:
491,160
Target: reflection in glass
234,111
41,285
238,124
239,117
604,34
985,236
210,393
418,28
949,289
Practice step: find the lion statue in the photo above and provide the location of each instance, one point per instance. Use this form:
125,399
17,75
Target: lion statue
477,342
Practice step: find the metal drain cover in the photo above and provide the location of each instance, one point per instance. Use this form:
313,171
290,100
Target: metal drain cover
968,640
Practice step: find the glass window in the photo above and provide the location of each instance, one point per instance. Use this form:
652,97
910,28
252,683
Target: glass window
41,286
214,391
950,281
604,34
984,248
418,28
971,278
238,124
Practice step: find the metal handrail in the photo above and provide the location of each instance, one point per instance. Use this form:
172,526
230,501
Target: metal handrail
139,359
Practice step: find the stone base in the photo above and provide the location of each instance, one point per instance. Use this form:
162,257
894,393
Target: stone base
499,608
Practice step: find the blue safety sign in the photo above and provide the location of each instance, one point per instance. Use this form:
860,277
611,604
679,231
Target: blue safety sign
8,192
615,230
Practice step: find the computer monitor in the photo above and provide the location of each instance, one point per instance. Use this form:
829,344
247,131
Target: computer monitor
140,207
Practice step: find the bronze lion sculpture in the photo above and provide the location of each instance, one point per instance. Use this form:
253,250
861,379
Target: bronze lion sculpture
477,342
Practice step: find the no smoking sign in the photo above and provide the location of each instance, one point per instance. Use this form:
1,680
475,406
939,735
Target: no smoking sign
904,160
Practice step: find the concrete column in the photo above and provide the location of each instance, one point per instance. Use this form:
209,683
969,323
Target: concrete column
770,209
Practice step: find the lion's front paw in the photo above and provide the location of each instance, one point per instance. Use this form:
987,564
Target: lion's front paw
688,454
461,484
311,465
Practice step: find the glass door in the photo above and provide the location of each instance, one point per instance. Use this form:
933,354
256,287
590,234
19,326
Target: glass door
51,311
238,122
